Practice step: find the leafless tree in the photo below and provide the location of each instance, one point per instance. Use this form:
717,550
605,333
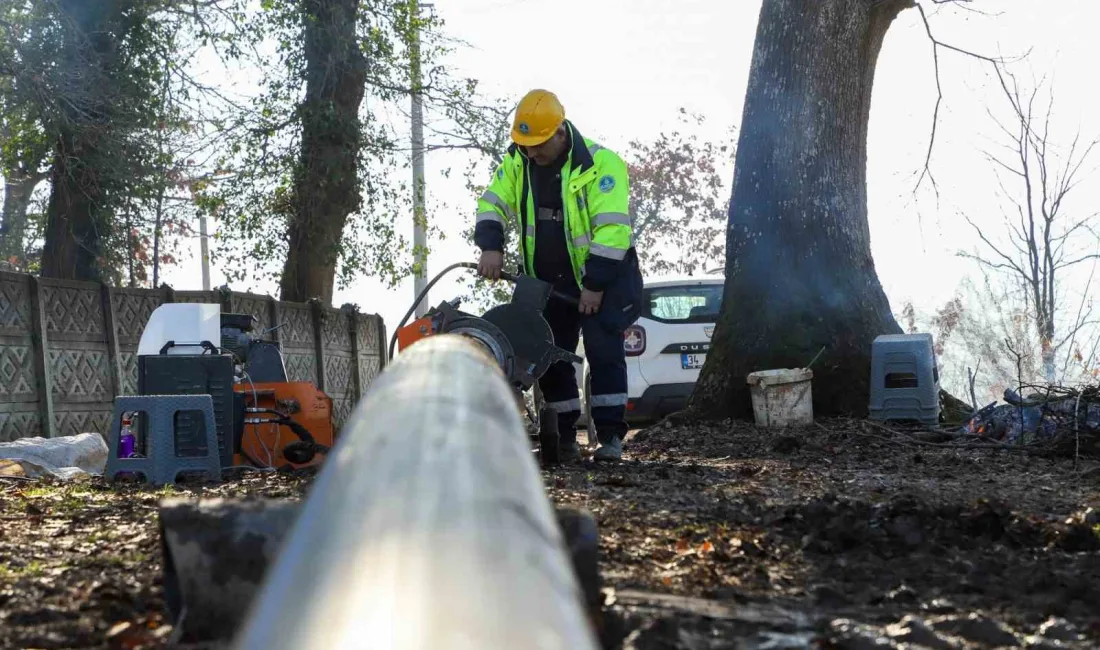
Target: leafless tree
1043,238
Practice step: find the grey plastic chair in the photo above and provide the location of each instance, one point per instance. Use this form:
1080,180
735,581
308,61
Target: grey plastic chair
905,382
162,465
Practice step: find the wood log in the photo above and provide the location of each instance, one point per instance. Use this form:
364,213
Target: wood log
428,526
216,553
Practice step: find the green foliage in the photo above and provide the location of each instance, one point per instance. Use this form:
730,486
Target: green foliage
112,83
102,104
161,144
253,196
24,141
101,87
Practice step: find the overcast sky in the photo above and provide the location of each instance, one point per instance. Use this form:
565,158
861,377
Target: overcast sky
641,60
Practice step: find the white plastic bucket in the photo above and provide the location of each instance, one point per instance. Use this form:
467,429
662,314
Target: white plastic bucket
782,398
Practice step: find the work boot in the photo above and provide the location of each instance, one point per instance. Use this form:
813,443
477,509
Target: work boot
611,451
569,451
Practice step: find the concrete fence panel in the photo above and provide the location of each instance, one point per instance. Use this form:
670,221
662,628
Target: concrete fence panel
68,348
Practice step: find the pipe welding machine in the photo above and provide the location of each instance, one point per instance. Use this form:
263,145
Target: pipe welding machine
262,418
515,334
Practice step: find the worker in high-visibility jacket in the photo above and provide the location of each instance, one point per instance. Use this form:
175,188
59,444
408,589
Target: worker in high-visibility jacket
566,199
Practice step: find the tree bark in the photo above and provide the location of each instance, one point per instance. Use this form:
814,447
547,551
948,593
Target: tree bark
216,553
73,249
78,222
799,273
326,187
18,189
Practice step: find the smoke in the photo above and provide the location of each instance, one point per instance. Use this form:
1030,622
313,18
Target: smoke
798,237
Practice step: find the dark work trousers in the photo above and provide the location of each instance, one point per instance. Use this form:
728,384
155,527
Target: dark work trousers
603,348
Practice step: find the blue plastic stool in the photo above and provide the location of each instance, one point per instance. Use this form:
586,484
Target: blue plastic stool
905,382
161,465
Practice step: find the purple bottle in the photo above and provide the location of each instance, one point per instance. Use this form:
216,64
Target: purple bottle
126,440
126,445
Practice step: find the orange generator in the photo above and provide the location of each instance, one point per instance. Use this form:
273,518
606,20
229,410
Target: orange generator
278,423
275,416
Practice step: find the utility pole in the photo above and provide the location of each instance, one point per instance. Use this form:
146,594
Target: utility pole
205,251
420,217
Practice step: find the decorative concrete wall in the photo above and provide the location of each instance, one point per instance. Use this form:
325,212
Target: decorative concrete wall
67,348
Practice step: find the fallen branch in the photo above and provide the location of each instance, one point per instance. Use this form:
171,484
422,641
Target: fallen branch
907,439
903,439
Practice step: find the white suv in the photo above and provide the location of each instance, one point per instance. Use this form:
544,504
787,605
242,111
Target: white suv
665,348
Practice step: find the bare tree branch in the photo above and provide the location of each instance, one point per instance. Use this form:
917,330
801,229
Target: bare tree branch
1041,235
936,45
1078,260
1008,260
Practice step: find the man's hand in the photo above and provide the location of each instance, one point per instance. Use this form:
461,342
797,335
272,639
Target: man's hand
590,301
490,265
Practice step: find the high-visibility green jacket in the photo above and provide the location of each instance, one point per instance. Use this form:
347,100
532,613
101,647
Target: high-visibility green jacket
595,200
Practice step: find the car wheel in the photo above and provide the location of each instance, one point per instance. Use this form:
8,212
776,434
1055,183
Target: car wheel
590,426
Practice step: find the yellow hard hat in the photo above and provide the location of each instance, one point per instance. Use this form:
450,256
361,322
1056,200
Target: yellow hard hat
538,116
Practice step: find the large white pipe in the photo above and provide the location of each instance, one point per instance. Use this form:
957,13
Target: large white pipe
428,527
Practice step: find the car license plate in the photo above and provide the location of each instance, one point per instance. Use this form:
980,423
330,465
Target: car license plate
692,361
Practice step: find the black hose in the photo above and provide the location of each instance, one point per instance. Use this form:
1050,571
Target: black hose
504,275
304,449
424,292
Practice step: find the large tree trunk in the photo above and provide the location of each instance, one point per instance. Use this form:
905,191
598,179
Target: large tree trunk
326,187
18,189
74,223
799,274
78,219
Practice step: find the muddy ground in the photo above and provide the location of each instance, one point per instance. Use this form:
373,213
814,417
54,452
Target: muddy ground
720,536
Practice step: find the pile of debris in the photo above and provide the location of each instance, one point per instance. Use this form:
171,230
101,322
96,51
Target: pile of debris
1054,417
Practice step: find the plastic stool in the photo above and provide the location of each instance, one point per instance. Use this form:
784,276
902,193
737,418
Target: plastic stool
161,465
905,382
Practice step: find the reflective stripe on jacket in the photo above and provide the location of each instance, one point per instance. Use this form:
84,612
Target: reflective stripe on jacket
595,198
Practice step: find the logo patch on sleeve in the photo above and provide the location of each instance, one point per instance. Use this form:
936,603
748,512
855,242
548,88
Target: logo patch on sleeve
500,173
607,183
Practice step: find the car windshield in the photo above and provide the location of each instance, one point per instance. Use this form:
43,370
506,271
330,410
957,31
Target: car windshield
691,303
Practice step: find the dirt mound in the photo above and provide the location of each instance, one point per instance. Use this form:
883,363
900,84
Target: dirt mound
907,523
